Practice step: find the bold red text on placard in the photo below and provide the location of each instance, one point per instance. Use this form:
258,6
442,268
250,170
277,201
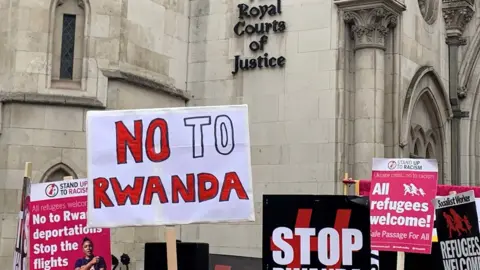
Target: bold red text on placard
153,143
199,188
136,143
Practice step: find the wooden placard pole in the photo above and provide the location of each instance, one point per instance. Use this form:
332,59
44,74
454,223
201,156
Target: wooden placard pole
400,261
347,183
171,240
27,177
68,178
28,170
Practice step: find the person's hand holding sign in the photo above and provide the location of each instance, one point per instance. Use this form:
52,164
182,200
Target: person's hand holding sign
95,260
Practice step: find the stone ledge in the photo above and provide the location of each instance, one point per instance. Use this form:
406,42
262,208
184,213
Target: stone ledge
46,99
394,5
143,81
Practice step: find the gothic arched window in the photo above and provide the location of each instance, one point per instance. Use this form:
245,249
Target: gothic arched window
57,173
425,134
68,44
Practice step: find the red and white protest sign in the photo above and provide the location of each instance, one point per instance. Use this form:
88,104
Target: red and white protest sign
57,228
401,209
169,166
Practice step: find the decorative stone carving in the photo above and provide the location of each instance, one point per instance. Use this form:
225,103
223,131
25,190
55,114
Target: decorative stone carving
457,14
429,10
456,40
370,26
422,4
81,3
462,92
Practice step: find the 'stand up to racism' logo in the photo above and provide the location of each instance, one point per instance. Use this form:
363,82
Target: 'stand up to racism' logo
392,164
456,223
51,190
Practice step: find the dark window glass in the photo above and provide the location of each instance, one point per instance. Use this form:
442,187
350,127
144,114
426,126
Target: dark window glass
68,47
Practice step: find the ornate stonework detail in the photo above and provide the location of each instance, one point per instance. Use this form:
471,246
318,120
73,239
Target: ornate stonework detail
429,10
456,40
81,3
422,4
370,26
462,92
457,14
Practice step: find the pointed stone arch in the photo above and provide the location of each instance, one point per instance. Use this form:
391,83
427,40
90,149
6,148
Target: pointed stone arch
472,133
417,140
423,78
469,85
84,54
425,117
58,172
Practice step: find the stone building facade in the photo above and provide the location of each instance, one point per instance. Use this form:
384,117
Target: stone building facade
341,81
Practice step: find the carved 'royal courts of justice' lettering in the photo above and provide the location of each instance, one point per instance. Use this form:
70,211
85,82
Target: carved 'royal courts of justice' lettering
245,27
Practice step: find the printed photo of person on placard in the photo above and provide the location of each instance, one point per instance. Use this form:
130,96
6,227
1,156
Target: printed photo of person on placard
89,261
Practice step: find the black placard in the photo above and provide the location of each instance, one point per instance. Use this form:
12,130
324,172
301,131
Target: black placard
230,262
341,223
458,232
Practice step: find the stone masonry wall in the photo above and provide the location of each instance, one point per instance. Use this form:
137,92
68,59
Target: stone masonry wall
45,136
292,109
154,39
190,45
48,135
420,42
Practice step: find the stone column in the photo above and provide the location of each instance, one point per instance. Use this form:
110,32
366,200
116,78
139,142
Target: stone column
457,14
369,26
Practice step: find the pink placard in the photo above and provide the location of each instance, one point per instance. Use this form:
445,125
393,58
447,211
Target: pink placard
401,209
57,226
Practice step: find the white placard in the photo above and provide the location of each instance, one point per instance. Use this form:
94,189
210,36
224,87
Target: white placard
454,199
169,166
404,164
